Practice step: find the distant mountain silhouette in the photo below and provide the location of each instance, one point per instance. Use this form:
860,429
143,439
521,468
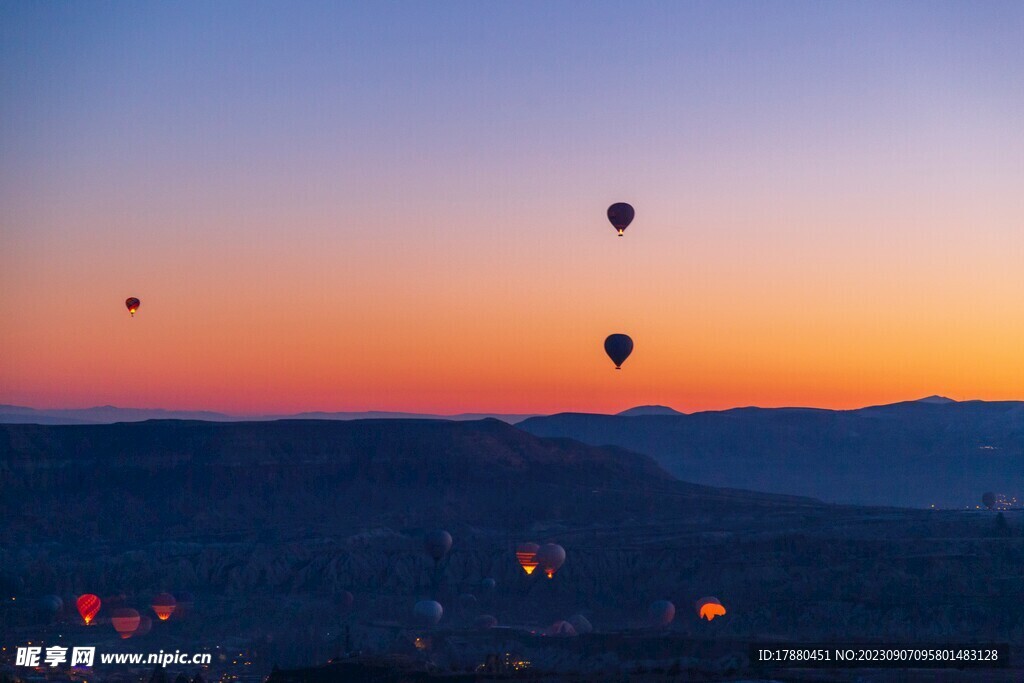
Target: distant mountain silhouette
649,410
157,476
935,399
916,453
10,414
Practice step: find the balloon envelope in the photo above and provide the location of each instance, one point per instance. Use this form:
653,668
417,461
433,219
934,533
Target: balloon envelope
164,605
661,612
345,600
88,605
550,557
125,621
485,621
988,499
489,584
145,626
437,544
526,553
428,612
132,304
581,624
618,347
620,215
51,603
561,628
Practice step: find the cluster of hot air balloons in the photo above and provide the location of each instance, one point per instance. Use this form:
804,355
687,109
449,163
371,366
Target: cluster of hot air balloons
125,620
549,557
661,613
618,346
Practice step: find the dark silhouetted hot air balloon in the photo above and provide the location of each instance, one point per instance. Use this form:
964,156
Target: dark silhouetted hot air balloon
133,305
988,499
428,612
345,600
661,612
526,553
485,621
560,628
621,215
437,544
164,605
51,604
550,558
88,605
618,347
488,584
709,608
145,626
125,621
581,624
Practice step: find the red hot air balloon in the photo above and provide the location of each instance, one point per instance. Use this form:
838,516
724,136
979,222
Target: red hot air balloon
164,605
550,557
88,606
620,215
132,304
526,553
125,621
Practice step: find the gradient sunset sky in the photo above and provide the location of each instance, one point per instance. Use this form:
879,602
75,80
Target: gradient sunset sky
400,205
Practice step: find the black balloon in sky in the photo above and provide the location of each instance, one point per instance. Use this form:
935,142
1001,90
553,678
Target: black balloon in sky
618,347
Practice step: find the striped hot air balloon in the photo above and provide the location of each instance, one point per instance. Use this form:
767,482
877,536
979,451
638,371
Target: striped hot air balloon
88,606
164,605
125,621
526,553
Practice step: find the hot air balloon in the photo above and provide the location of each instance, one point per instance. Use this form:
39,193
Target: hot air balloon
709,608
485,621
132,304
661,612
437,544
618,347
51,604
428,612
88,605
621,215
526,553
581,624
488,584
550,557
125,621
145,626
345,600
560,628
164,604
988,499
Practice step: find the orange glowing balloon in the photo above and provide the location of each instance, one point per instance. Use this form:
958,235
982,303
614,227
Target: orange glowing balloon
709,608
88,606
526,553
133,305
125,621
164,605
